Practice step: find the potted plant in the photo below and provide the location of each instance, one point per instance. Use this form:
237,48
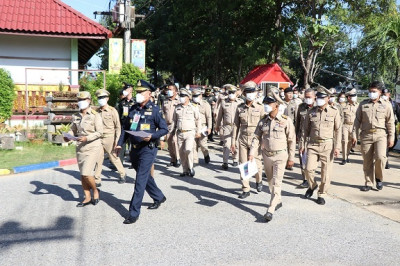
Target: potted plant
58,137
36,135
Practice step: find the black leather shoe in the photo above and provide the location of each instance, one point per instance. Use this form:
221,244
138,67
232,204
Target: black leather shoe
321,201
289,168
366,188
259,186
83,204
184,174
352,150
207,159
379,184
225,166
244,195
178,163
348,160
122,180
310,192
304,184
112,167
343,162
235,164
98,184
131,220
278,206
268,216
156,204
387,166
170,164
191,172
95,201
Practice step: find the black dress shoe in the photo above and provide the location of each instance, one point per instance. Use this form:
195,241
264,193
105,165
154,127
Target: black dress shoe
268,216
191,172
156,204
278,206
207,159
259,186
289,168
131,220
177,163
310,192
221,143
184,174
95,201
387,166
343,162
321,201
98,184
304,184
225,166
234,164
83,204
122,179
366,188
244,195
351,150
348,160
379,184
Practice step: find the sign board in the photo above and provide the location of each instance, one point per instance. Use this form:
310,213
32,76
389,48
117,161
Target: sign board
138,54
115,55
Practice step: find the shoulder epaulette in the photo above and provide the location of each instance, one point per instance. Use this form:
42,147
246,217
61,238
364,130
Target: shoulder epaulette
284,117
333,107
93,112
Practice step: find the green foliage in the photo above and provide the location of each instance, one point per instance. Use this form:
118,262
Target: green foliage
7,95
131,74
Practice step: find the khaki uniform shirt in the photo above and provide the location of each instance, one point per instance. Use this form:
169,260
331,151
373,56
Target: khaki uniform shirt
275,135
227,111
89,125
291,109
246,119
111,122
205,114
168,109
186,118
349,113
373,116
322,125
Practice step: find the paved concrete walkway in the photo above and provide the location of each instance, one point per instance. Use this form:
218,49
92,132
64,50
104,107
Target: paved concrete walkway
201,223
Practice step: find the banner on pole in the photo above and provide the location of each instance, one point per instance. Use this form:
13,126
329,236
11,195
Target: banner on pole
139,54
115,55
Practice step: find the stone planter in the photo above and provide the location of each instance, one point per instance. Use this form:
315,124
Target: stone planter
7,143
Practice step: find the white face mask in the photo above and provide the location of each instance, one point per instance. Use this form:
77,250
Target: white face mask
308,101
281,109
342,99
102,102
354,99
295,96
267,109
373,95
282,94
83,104
182,99
332,99
139,98
170,93
320,102
251,96
125,93
384,97
232,96
196,99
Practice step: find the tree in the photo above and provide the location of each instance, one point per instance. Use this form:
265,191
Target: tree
7,95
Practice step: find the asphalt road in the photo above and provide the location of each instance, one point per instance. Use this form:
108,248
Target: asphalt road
201,223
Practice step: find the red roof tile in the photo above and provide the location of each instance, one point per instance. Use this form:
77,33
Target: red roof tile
267,73
47,17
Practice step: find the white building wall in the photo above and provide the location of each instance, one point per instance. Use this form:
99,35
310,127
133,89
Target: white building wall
19,52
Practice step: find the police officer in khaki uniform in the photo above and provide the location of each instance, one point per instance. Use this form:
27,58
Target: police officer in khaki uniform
111,134
309,102
321,135
375,120
168,109
186,124
349,114
87,127
247,116
205,125
225,119
291,104
276,134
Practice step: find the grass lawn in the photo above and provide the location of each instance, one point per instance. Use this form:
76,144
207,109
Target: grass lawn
34,153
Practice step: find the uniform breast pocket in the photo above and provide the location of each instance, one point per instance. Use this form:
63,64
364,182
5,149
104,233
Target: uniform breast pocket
255,116
380,115
188,115
329,120
278,132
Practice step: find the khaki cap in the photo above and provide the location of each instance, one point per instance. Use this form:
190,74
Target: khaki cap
351,92
273,96
102,92
184,91
84,95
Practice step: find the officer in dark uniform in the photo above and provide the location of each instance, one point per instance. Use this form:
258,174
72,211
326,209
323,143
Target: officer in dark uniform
212,100
143,116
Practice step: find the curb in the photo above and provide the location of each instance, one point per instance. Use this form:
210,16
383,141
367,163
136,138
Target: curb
38,166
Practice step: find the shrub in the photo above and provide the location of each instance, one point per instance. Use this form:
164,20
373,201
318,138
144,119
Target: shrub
7,95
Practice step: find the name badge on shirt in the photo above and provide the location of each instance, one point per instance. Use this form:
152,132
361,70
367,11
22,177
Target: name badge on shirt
135,122
144,126
125,110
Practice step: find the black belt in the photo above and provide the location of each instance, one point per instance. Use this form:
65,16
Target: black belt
151,145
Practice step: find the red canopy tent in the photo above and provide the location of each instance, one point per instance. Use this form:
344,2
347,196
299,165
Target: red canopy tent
268,75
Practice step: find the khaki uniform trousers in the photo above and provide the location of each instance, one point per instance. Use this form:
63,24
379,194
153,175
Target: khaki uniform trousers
302,165
244,151
202,143
373,150
173,146
108,146
185,143
323,152
347,140
274,167
227,139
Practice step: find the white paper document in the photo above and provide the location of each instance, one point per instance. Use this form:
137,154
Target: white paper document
69,136
304,159
248,169
204,131
140,134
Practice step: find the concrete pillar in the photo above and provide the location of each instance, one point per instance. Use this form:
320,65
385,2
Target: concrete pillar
74,62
